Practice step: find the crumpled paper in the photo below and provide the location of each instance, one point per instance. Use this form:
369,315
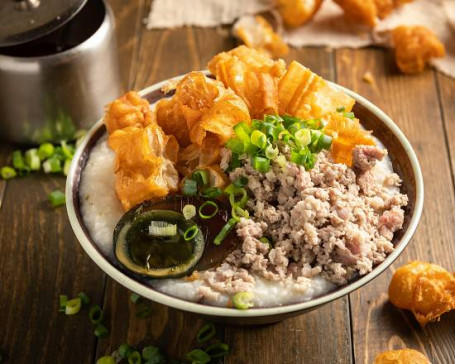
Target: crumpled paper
328,28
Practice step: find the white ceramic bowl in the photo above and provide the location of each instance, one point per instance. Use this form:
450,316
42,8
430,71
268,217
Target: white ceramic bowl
404,161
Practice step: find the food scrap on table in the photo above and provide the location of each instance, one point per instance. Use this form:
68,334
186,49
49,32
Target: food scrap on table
401,356
414,47
256,32
428,290
368,78
297,12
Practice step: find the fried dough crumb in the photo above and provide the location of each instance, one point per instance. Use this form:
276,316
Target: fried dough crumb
368,78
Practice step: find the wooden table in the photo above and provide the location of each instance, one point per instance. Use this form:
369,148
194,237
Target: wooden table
40,257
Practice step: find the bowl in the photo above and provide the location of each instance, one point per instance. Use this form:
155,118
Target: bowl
404,162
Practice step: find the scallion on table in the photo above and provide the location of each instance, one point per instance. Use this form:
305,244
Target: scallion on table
57,198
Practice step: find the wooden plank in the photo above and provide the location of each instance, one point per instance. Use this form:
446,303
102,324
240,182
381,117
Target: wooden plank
40,258
412,102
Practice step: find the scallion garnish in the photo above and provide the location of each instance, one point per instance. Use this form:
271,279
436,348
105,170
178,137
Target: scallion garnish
243,300
240,182
68,150
259,139
303,136
135,358
224,231
63,300
32,159
211,192
261,164
201,177
198,356
271,151
206,333
57,198
135,297
125,350
45,151
66,167
107,359
73,306
217,350
162,228
236,145
204,206
95,314
349,115
189,187
84,298
101,331
190,233
8,172
151,354
189,211
52,165
266,241
238,212
18,161
238,191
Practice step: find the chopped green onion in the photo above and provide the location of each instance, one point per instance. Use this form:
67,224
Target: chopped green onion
243,131
68,150
281,160
66,167
32,159
106,360
162,228
198,356
95,314
238,191
315,135
217,350
151,352
73,306
189,187
135,358
341,109
349,115
266,241
135,297
313,123
201,177
259,139
191,233
52,165
241,181
205,204
238,212
298,157
63,301
206,333
7,172
235,145
212,192
294,127
18,161
189,211
101,331
224,231
261,164
303,136
235,162
84,298
271,151
230,189
125,350
324,142
45,151
57,198
243,300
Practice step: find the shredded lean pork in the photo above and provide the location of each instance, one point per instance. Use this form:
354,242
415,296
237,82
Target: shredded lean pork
332,221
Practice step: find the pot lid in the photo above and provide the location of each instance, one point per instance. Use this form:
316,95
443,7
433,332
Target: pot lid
27,20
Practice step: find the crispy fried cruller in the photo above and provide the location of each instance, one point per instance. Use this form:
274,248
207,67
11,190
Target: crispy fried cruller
297,12
257,33
414,47
428,290
401,356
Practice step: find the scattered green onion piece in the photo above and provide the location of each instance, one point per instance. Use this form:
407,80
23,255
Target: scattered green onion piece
235,145
52,165
271,151
310,160
125,350
198,356
32,159
281,160
135,297
162,228
106,360
341,109
313,123
224,231
57,198
230,189
315,135
261,164
101,331
66,167
95,314
243,300
63,301
238,212
73,306
201,177
259,139
45,151
135,358
238,191
84,298
217,350
189,187
206,333
205,204
303,136
151,352
266,241
212,192
189,211
235,162
297,157
8,172
191,233
243,131
324,142
18,161
241,181
294,127
349,115
67,149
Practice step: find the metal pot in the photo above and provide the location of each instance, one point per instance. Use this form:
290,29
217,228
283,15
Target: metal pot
59,83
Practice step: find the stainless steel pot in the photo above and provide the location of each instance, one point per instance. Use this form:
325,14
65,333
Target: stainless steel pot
52,86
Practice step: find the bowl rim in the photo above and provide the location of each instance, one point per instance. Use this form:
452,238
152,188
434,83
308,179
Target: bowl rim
198,308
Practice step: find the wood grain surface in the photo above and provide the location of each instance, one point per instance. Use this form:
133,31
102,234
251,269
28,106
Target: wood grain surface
40,258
